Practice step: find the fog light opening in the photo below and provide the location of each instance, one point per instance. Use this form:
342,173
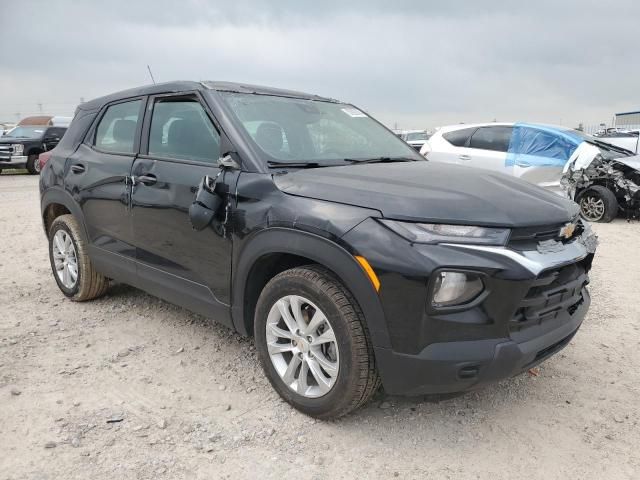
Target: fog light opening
455,288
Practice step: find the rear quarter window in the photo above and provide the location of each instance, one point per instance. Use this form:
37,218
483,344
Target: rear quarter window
116,131
459,138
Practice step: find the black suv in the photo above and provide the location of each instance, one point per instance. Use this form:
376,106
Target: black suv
21,146
305,222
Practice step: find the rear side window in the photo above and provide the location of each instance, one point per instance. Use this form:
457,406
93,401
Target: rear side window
181,129
491,138
458,138
116,131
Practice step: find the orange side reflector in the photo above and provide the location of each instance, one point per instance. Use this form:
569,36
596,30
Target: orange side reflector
367,268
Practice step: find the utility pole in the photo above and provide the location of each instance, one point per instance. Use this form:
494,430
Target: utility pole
39,107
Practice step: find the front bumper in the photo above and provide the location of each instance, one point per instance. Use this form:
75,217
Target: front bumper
536,301
13,161
466,365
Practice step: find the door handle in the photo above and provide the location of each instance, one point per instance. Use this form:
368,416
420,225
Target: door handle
464,157
148,179
77,168
523,164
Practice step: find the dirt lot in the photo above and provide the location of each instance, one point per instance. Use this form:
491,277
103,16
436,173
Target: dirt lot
132,387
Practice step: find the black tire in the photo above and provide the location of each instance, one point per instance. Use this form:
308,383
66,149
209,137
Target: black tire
357,379
594,198
89,284
33,164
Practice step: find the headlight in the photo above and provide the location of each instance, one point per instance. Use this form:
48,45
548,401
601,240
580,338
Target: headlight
18,148
440,233
455,288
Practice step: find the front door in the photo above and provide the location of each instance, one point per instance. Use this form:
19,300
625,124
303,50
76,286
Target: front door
191,268
539,156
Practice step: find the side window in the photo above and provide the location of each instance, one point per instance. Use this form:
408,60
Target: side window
540,143
181,129
116,131
56,132
458,138
491,138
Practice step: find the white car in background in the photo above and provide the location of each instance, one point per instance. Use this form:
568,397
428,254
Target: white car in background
534,152
415,138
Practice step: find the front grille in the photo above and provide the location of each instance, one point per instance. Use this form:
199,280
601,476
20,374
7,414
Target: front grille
528,238
553,293
6,151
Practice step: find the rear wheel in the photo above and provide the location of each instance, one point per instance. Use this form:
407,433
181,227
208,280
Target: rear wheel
33,164
598,204
70,263
313,344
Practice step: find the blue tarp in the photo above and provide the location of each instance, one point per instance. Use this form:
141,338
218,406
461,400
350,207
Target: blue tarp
540,145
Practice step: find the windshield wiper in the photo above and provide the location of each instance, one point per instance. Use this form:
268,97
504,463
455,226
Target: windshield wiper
296,164
379,160
608,146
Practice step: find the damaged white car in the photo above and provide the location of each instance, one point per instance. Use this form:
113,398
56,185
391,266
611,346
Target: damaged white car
604,180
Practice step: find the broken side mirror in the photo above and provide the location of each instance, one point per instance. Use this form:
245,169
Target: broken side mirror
206,203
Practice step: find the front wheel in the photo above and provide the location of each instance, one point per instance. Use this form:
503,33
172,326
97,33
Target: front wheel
598,204
33,165
313,343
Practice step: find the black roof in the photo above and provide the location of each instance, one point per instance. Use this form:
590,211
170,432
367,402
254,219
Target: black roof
179,86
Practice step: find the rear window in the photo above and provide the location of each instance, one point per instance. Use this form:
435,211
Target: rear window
458,138
116,131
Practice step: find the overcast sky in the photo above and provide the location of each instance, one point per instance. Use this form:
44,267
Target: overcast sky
415,63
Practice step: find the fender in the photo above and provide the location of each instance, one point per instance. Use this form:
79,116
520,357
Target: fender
58,195
320,250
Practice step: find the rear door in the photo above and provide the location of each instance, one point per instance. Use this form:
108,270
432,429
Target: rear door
488,149
181,144
97,176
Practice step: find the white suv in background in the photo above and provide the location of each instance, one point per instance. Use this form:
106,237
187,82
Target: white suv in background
533,152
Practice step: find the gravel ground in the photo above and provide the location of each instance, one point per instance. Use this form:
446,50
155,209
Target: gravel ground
129,386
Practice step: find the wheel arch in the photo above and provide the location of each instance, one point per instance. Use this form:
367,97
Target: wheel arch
56,202
275,250
34,151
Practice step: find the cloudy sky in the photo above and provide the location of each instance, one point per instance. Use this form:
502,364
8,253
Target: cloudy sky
411,63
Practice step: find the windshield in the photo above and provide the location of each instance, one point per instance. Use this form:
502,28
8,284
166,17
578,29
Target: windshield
417,136
303,131
26,132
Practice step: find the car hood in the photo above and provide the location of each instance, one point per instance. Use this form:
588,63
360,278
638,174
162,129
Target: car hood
435,192
4,140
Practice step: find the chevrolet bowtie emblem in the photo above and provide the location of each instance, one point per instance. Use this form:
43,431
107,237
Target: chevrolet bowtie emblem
567,230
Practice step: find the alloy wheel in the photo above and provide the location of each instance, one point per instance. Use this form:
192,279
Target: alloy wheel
592,207
65,259
302,346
